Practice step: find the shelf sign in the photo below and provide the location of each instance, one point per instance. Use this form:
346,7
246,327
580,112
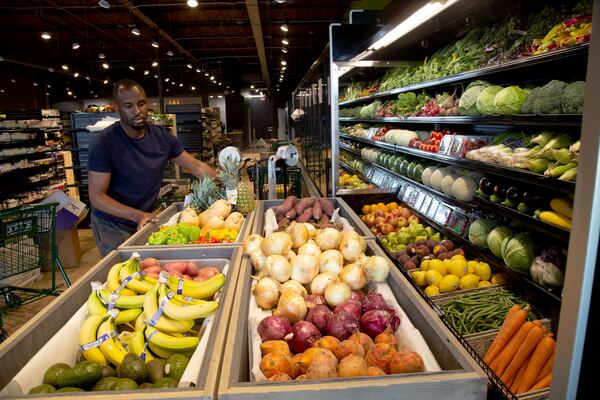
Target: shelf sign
407,194
458,222
442,214
425,206
18,227
419,201
433,207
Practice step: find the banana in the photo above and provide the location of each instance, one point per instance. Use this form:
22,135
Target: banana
164,323
157,351
141,284
199,290
137,346
171,343
140,322
122,300
112,280
126,316
112,349
95,305
87,334
186,312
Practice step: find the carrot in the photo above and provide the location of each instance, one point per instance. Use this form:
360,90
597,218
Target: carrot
512,322
527,347
545,382
540,355
507,354
514,386
494,365
547,366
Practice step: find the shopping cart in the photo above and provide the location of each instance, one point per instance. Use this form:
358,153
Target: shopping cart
28,243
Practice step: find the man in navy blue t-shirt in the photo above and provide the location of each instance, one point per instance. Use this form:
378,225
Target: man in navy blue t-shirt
125,168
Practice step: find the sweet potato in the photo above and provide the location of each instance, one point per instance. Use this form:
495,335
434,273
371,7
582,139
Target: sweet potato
375,371
328,342
153,269
180,266
270,346
305,216
284,207
321,368
149,262
352,365
380,356
291,214
317,212
406,361
207,273
327,206
349,347
303,204
279,377
283,222
363,339
311,354
191,269
278,362
324,222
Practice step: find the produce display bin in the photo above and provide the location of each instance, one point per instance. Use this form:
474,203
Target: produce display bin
460,378
22,346
139,239
345,211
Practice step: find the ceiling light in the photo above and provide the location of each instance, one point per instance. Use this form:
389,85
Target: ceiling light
101,56
284,68
284,27
95,96
425,13
47,94
220,96
132,67
104,4
67,89
13,80
155,63
106,82
206,74
193,88
189,66
50,69
70,93
166,79
170,53
88,78
146,72
105,66
48,86
35,84
251,86
172,82
155,44
285,41
76,74
65,67
156,76
167,90
46,36
75,46
192,3
280,1
212,77
220,83
135,31
284,50
283,62
181,85
198,70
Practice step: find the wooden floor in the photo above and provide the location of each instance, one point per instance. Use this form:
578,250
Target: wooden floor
90,256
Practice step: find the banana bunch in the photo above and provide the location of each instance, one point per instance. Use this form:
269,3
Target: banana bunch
161,313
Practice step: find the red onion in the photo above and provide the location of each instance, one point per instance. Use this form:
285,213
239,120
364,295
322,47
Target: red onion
319,316
394,319
350,307
374,301
359,297
312,300
374,322
341,326
303,335
274,328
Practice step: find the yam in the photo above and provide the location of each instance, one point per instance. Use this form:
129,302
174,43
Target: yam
317,211
348,348
352,366
303,204
270,346
305,216
278,362
406,361
327,206
380,356
321,368
287,204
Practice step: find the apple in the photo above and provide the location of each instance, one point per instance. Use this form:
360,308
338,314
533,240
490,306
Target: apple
374,230
387,228
379,213
396,212
413,219
379,220
391,219
369,220
405,212
402,222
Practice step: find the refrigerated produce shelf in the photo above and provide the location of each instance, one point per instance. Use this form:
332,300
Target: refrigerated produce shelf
548,120
350,150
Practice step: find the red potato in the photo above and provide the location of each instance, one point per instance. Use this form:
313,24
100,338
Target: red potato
191,269
152,275
149,262
207,273
153,269
180,266
175,273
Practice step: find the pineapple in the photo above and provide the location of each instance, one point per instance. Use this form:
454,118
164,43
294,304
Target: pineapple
204,192
230,176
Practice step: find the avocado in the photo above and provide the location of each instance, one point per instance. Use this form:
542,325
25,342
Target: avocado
176,366
107,383
43,388
156,369
125,384
58,375
69,389
164,383
146,385
87,373
133,367
107,371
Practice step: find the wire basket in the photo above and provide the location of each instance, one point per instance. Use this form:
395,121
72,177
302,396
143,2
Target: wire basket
288,183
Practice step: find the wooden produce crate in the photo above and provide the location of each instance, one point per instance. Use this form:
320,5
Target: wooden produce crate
27,342
139,239
460,377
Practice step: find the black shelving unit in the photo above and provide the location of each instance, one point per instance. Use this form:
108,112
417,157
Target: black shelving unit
550,120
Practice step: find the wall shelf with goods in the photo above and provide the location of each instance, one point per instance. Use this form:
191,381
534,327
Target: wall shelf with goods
500,154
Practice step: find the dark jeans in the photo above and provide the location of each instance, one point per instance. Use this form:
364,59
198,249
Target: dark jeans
108,235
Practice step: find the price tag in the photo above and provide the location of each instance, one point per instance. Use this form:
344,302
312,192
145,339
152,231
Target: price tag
413,198
458,222
419,201
401,191
433,207
407,193
442,214
231,196
425,206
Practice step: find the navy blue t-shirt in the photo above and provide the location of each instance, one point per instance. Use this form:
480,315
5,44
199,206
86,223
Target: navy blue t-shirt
136,166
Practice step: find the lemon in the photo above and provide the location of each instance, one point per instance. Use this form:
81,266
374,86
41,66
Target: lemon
432,290
483,271
458,267
471,266
458,257
449,283
419,277
499,278
433,277
424,265
469,281
439,266
484,283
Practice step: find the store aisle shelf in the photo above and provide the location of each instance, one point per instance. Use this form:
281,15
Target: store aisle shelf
549,120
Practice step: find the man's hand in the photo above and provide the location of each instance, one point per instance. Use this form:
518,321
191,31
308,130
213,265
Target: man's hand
146,217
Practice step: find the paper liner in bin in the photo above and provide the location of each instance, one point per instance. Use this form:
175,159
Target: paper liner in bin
409,337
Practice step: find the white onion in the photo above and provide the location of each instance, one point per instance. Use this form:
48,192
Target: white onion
348,234
278,243
299,234
252,243
321,281
290,254
337,293
258,260
352,247
310,248
377,268
312,231
266,293
291,306
294,286
328,238
278,267
331,261
354,276
304,268
361,260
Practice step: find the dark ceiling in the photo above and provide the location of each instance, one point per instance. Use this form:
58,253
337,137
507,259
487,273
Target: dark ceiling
217,37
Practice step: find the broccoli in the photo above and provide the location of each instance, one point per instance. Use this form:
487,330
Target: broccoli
572,99
527,107
549,98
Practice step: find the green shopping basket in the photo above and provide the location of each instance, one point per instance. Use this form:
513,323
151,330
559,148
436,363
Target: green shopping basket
27,243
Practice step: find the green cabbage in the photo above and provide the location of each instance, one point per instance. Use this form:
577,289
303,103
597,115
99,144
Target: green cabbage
468,101
519,253
479,231
510,100
485,100
495,238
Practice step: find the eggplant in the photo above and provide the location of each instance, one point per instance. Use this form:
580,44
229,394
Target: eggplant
500,191
531,199
486,186
513,195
